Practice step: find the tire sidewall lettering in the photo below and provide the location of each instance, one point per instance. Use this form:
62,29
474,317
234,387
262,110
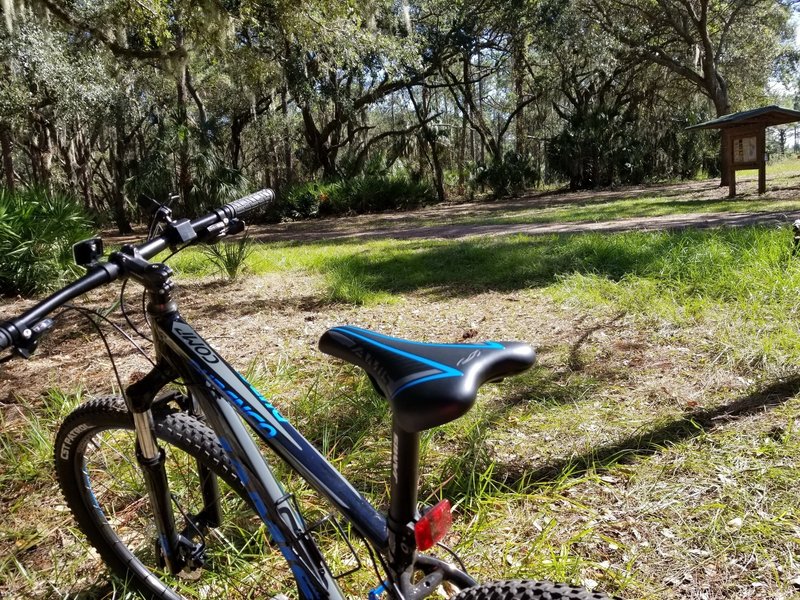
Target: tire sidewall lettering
70,439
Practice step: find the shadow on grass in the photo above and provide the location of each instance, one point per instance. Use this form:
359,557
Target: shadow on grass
473,266
566,197
691,425
467,466
500,264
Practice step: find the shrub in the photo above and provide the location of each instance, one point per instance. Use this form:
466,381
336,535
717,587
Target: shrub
37,231
300,201
230,257
374,193
365,194
512,174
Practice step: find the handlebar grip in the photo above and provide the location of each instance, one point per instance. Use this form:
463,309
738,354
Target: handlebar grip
248,203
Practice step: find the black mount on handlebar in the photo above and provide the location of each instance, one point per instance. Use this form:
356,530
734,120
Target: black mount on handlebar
87,252
32,336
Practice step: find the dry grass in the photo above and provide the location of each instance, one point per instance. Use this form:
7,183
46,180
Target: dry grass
654,525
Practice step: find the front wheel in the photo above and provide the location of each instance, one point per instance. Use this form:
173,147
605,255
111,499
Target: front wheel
528,590
102,483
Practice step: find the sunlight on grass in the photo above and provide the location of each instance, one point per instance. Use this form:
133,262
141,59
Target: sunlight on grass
744,281
595,211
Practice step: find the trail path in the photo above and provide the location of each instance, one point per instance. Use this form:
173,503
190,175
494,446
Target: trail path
332,230
473,219
447,221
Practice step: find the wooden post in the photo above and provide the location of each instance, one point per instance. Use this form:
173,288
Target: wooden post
727,159
761,149
728,164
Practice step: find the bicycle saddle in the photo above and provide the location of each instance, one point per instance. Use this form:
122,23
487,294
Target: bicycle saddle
426,384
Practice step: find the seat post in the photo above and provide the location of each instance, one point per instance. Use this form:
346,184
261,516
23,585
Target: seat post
403,496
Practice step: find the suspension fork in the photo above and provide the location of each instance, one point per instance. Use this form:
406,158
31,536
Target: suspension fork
157,281
211,514
151,458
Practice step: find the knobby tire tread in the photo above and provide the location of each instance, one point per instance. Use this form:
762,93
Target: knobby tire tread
528,590
176,428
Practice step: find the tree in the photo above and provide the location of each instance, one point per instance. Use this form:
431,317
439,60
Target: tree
111,100
710,43
340,59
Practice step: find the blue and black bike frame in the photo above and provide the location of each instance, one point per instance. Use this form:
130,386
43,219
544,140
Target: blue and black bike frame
222,396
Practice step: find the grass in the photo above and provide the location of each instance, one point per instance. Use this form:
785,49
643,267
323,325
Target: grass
653,452
26,463
229,258
746,278
545,206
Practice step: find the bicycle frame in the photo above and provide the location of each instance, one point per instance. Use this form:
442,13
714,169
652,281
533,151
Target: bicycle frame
223,396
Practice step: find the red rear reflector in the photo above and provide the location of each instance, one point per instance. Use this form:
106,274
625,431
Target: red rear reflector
433,525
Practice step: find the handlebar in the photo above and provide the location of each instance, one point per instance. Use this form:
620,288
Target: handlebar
17,331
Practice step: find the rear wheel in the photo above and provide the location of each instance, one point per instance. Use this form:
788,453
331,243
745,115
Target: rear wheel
103,486
528,590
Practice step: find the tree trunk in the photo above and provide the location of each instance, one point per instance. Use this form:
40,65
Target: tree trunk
236,142
480,109
117,152
722,106
83,157
184,164
519,90
462,167
324,155
68,155
430,139
288,155
6,147
41,152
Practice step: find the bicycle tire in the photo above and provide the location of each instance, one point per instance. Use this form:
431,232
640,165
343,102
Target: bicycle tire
101,482
528,590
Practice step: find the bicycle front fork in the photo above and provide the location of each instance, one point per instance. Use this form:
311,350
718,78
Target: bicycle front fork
175,547
151,459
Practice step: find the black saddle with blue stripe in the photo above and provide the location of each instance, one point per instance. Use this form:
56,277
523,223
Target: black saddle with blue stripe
426,384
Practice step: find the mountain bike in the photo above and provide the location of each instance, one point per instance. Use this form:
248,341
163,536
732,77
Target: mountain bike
175,495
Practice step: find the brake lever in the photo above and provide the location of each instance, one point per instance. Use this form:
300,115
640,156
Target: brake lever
216,232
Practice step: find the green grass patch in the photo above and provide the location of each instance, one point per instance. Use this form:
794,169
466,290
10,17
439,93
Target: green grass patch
31,459
742,282
593,211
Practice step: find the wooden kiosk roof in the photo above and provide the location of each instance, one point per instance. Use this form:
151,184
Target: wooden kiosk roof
767,116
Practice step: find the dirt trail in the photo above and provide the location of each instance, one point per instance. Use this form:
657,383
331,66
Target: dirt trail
446,221
285,232
442,221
